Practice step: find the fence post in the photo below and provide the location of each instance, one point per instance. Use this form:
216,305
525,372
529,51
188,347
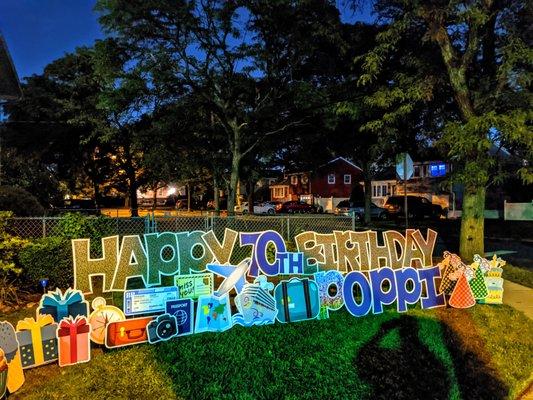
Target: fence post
288,228
353,221
44,226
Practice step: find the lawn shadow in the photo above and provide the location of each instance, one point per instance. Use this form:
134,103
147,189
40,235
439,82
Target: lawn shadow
397,365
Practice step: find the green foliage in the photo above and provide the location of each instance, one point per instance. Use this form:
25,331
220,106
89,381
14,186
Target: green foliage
50,258
10,264
20,202
522,276
75,226
10,246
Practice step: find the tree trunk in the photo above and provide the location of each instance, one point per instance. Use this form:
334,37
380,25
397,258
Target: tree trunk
250,189
97,197
216,197
133,197
234,177
472,223
188,198
236,157
132,182
368,196
155,197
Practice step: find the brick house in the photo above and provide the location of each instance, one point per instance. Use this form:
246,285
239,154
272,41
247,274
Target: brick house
326,186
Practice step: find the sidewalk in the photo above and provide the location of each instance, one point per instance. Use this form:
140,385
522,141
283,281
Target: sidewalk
519,297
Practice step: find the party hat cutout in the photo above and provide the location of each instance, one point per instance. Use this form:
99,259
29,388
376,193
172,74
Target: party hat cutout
462,296
478,285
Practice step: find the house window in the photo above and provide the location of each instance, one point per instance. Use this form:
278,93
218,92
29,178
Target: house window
347,179
374,191
416,171
279,192
384,190
331,179
294,179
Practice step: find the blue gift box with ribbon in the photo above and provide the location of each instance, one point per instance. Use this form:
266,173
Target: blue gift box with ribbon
61,305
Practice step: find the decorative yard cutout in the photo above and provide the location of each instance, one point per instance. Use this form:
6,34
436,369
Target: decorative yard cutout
37,341
171,254
3,374
235,276
462,296
10,346
297,300
213,314
193,286
183,311
74,344
255,304
61,305
148,301
163,328
101,316
127,332
325,282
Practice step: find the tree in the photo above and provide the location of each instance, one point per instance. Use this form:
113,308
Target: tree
242,59
53,124
483,48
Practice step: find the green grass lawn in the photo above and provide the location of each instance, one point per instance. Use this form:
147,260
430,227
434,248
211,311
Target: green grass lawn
483,352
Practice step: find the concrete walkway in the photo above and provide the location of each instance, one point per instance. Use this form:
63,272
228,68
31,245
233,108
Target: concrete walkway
519,297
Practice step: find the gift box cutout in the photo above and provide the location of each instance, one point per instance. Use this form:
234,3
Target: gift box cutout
74,343
61,305
37,341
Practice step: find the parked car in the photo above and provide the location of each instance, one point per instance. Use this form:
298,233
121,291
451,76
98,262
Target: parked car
296,207
259,208
357,209
417,207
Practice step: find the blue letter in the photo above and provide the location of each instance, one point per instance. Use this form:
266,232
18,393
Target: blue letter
407,296
433,298
377,276
352,278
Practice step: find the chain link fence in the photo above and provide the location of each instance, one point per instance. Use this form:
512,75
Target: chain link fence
287,225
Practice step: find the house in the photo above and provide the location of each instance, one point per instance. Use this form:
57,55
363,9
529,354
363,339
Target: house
9,83
427,181
325,186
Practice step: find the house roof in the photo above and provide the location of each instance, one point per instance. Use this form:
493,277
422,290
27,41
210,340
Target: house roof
9,82
344,160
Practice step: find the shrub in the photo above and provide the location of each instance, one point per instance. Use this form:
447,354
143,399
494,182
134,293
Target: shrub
20,202
49,257
75,226
10,266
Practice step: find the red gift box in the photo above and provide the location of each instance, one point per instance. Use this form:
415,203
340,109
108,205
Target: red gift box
74,342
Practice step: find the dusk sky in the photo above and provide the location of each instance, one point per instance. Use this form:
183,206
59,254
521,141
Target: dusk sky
40,31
